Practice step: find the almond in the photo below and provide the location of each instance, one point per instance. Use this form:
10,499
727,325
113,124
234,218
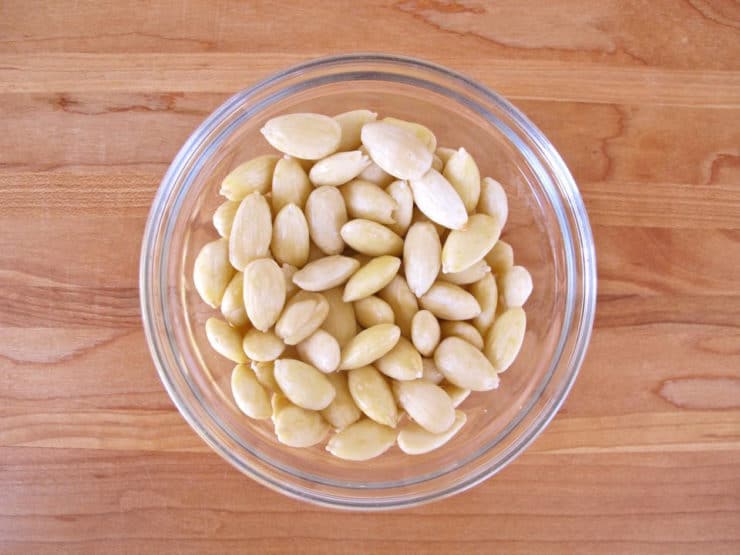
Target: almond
320,350
493,200
366,200
342,411
424,134
290,242
302,135
371,278
290,184
457,394
445,153
372,395
262,346
303,384
463,330
338,168
465,247
438,200
265,374
249,395
325,273
516,286
371,311
402,362
361,441
264,292
225,340
485,292
302,316
500,258
469,275
422,255
249,177
415,440
232,303
450,302
299,427
425,332
504,339
462,173
371,238
251,231
351,124
401,215
212,271
427,404
340,322
403,302
369,345
396,150
223,217
326,214
464,365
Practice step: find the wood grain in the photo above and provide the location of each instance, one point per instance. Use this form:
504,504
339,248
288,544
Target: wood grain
642,98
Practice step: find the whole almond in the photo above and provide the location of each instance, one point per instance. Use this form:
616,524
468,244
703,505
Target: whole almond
249,177
225,340
325,273
264,292
212,271
372,395
366,200
427,404
462,173
290,241
302,135
262,346
493,200
371,311
415,440
463,330
321,350
425,332
422,257
401,215
351,123
251,231
402,362
290,184
500,258
450,302
326,214
303,315
303,384
469,275
423,133
465,247
438,200
371,278
485,292
403,302
232,303
249,395
342,411
396,150
456,394
341,321
504,339
371,238
464,365
223,217
516,286
338,168
361,441
430,372
369,345
299,427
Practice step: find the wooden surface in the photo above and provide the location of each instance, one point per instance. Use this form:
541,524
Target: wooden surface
642,98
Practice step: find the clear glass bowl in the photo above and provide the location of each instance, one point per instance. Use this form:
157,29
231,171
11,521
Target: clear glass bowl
548,228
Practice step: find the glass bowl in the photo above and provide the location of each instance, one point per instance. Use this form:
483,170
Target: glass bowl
547,227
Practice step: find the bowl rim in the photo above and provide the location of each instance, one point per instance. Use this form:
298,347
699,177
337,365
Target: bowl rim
587,259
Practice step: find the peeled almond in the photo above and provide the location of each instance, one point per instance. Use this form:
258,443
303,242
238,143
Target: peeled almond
430,372
464,365
465,247
249,177
302,135
371,311
450,302
303,315
493,200
404,210
372,395
290,240
369,345
326,214
425,332
403,302
469,275
361,441
212,271
485,292
223,217
262,346
500,258
290,184
351,124
371,238
396,150
463,330
427,404
325,273
369,201
251,231
249,395
232,304
402,362
423,133
516,285
264,292
265,374
504,339
438,200
462,173
342,411
415,440
340,322
445,153
371,278
320,350
303,384
225,340
457,394
299,427
421,257
338,168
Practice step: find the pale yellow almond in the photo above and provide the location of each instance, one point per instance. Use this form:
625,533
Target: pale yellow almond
430,372
265,374
232,303
516,286
369,345
342,411
299,427
361,441
351,123
423,133
402,362
425,332
303,135
326,214
225,340
463,174
422,257
325,273
341,321
371,311
437,164
485,292
463,330
303,384
249,395
264,292
371,238
415,440
371,278
469,275
450,302
375,174
500,258
404,210
366,200
339,168
212,271
396,150
262,346
426,404
464,365
303,315
403,302
493,200
438,200
223,217
505,338
321,350
249,177
290,184
251,232
457,394
465,247
290,241
445,153
372,395
288,272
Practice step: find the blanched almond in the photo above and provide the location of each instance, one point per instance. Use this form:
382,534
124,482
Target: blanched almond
265,374
303,384
262,346
371,278
462,173
223,217
516,286
302,135
321,350
422,256
450,302
438,200
396,150
372,395
249,395
338,168
342,411
290,240
465,247
251,232
371,238
351,124
469,275
249,177
340,322
299,427
290,184
457,394
423,133
485,292
401,215
372,311
232,304
264,292
325,273
326,214
464,365
402,301
430,372
463,330
367,200
402,362
225,340
500,258
361,441
212,271
504,339
425,332
415,440
427,404
493,200
369,345
445,153
303,315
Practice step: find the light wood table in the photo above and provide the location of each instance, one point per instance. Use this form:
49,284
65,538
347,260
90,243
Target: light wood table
641,98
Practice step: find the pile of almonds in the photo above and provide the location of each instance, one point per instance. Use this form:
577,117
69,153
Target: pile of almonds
362,283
